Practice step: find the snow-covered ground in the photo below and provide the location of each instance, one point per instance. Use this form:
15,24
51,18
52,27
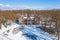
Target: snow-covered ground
28,32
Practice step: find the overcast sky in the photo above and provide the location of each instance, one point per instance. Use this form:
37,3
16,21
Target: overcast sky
30,4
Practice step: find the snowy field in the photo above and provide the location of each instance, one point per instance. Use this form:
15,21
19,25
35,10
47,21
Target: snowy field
25,32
